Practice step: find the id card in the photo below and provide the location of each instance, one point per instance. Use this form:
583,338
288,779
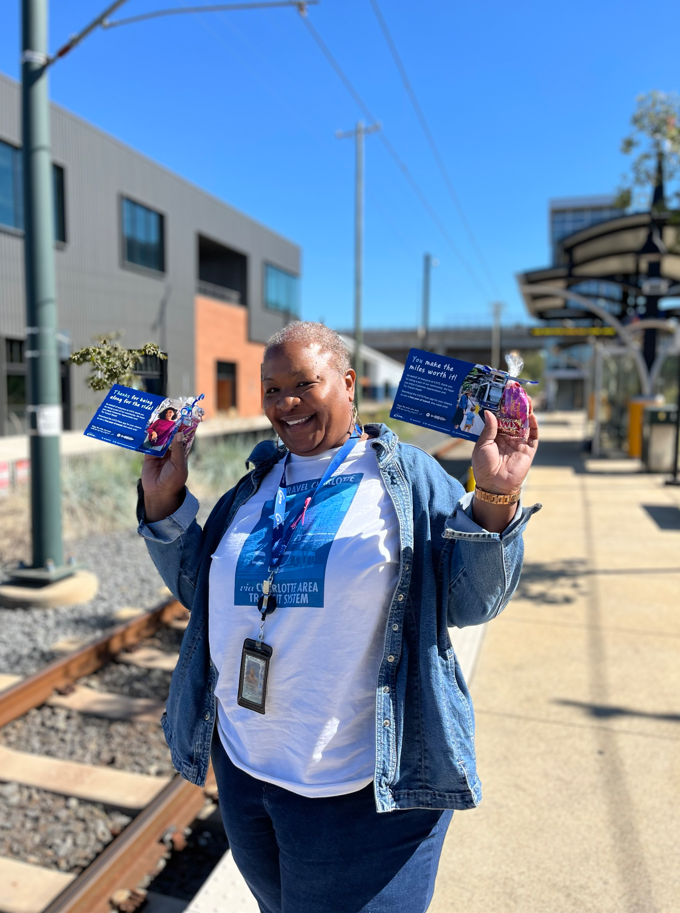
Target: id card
252,683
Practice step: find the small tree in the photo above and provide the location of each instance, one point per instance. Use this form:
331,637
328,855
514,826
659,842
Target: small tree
656,134
111,363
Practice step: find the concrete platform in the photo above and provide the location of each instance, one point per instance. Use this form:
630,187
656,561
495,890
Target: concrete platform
80,587
74,443
224,892
576,694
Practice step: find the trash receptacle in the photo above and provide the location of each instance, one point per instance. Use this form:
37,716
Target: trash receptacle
658,438
636,410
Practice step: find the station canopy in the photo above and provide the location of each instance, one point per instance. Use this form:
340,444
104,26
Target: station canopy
609,263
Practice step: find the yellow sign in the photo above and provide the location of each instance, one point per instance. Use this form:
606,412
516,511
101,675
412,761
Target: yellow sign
572,331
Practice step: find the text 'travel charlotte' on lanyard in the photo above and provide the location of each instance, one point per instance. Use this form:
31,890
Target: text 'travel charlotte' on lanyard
280,539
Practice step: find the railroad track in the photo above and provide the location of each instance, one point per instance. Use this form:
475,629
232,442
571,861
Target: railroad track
163,807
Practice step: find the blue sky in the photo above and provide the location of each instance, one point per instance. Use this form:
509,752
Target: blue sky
527,101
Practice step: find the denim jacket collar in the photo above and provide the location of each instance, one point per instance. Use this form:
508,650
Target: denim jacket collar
267,454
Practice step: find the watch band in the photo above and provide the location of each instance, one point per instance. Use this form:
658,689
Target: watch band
492,498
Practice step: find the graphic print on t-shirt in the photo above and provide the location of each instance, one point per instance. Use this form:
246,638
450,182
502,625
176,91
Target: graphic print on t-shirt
301,574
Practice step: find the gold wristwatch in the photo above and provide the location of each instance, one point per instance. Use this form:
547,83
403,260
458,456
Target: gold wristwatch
491,498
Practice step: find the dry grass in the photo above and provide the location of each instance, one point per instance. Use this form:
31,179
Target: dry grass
99,493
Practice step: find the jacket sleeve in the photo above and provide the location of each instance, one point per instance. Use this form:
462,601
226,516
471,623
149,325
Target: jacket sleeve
484,567
175,545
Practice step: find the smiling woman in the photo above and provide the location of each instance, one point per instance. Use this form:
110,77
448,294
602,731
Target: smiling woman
317,668
308,388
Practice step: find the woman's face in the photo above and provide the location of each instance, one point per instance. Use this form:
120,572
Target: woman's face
305,398
170,415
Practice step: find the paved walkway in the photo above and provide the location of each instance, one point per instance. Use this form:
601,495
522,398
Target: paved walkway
578,705
16,446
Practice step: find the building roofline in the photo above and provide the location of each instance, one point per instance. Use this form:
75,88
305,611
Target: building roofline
590,202
173,174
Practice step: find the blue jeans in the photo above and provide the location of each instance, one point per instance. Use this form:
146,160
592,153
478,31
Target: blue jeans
332,855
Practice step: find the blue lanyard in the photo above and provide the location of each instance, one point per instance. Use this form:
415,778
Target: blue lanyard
280,539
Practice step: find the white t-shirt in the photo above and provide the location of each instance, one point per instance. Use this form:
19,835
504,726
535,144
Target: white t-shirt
334,586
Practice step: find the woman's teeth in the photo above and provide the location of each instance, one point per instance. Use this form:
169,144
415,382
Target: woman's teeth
298,421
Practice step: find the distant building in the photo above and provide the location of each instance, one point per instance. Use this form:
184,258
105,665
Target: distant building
467,343
571,214
381,374
140,250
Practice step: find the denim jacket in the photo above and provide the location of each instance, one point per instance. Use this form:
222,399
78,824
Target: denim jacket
451,573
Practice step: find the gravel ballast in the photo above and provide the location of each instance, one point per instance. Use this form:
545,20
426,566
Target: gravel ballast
70,736
54,831
127,577
186,871
119,678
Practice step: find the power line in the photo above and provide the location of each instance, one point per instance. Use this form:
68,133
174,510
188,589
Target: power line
325,50
432,144
301,6
409,244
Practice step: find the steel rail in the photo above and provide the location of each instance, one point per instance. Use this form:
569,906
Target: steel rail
135,853
37,688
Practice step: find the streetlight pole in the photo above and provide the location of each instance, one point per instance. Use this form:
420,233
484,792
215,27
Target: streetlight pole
44,393
358,133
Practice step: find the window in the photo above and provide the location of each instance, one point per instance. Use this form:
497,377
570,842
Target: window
226,386
565,222
59,203
153,373
14,351
143,236
13,414
222,272
11,190
281,290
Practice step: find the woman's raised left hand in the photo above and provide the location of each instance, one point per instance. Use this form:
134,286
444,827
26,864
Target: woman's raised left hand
500,462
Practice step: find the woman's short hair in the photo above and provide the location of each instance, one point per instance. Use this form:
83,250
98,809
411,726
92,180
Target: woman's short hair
310,333
168,409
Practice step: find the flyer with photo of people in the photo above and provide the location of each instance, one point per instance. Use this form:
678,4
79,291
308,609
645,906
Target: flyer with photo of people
451,396
145,422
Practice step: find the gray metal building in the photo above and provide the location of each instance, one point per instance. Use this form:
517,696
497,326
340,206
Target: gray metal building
141,251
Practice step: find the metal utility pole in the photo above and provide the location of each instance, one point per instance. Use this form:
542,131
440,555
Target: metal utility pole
358,133
44,389
496,335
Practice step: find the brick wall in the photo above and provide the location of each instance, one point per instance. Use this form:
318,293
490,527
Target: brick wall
221,334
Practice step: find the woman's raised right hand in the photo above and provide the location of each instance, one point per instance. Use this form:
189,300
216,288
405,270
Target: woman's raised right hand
163,481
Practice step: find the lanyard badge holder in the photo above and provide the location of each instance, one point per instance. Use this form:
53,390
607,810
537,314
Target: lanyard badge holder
256,654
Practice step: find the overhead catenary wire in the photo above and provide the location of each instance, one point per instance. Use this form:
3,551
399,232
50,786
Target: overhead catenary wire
409,244
300,5
394,155
420,114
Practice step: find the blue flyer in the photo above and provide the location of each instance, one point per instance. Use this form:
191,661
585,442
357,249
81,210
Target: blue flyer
449,395
144,421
